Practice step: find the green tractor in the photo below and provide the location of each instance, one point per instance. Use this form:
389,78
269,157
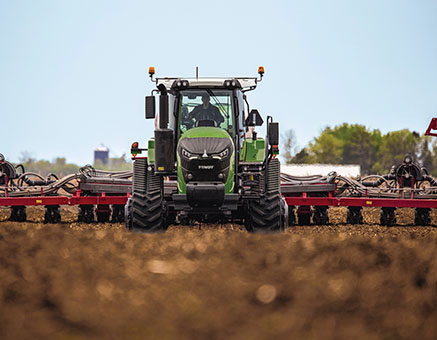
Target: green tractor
206,162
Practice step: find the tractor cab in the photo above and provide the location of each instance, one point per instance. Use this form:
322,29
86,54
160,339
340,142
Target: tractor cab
204,102
206,108
200,150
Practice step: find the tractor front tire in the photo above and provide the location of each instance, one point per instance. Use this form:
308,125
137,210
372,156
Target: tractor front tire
148,210
148,213
266,215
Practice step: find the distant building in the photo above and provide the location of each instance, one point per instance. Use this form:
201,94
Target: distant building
101,153
351,170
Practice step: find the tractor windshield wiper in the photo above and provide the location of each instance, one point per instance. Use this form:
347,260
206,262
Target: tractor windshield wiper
218,102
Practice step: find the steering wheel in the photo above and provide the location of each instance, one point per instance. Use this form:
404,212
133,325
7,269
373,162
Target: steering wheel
206,123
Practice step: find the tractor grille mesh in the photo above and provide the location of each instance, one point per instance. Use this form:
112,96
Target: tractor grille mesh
194,167
193,164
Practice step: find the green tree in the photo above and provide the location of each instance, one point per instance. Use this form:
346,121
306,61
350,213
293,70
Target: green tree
59,166
327,148
433,168
425,154
360,147
393,147
302,157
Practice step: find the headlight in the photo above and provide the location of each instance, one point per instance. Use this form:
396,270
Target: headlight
187,154
224,153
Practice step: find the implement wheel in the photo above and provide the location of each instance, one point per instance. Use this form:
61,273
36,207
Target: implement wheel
52,214
18,213
304,218
128,213
103,213
117,213
354,215
291,215
86,213
304,215
148,209
388,216
422,216
320,216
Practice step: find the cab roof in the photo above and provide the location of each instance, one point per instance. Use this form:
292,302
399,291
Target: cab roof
186,83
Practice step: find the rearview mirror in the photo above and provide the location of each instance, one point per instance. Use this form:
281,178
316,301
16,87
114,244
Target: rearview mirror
253,119
273,133
150,107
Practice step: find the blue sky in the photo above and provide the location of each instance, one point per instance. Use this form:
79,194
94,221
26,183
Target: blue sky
73,74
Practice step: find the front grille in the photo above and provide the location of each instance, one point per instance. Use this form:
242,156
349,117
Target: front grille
205,169
193,164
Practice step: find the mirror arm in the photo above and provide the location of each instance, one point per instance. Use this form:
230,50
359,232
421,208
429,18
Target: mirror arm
247,103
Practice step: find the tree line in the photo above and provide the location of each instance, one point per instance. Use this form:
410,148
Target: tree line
356,144
61,167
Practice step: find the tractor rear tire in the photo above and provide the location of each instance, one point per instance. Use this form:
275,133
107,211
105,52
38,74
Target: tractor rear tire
148,213
148,208
266,215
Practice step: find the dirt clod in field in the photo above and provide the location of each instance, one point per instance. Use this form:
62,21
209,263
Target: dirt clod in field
72,280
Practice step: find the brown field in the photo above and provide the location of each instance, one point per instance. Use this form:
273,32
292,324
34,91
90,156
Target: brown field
74,281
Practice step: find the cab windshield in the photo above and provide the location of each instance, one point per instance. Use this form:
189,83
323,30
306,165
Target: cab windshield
206,107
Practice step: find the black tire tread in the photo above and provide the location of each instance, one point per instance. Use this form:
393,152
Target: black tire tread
147,207
265,215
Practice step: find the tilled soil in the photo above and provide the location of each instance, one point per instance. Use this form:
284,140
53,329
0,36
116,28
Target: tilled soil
93,281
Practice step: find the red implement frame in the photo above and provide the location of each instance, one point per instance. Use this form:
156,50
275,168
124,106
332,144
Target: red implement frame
76,199
300,201
362,202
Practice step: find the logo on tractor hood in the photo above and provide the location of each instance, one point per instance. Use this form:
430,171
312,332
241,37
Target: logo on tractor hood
206,167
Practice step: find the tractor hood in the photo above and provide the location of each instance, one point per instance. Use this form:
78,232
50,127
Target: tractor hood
206,131
206,155
209,140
